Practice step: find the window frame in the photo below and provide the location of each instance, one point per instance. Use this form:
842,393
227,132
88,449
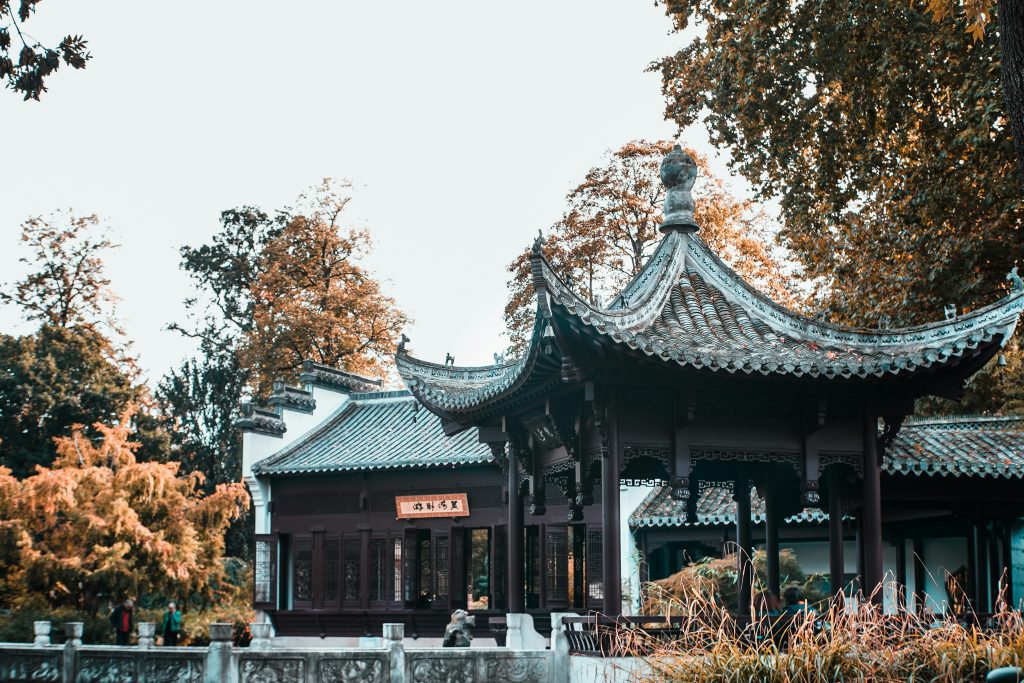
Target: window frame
270,603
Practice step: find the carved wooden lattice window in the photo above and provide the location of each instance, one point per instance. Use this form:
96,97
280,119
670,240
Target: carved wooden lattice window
302,571
265,572
378,569
332,571
350,569
595,569
396,560
441,559
409,567
556,558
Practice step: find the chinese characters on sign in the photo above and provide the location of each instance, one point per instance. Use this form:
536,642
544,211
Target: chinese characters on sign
432,505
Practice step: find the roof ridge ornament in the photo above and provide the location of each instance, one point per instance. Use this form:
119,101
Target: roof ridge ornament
1016,283
678,173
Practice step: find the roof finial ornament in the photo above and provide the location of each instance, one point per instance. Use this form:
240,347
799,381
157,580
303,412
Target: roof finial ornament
539,242
678,172
499,359
402,342
1016,283
950,311
449,359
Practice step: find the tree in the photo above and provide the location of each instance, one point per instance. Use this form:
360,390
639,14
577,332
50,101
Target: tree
881,132
100,525
1010,14
35,61
610,229
314,299
61,376
69,286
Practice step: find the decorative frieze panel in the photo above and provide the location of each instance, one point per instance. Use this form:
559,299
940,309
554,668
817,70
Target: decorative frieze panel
434,669
21,667
165,670
518,669
338,670
272,670
98,669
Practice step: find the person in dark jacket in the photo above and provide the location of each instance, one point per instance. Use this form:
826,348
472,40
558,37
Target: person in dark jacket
123,620
170,627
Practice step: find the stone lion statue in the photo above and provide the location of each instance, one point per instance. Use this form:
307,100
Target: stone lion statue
457,634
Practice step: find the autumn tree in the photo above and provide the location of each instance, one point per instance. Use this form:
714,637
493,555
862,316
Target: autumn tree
1010,16
882,134
68,284
610,229
100,524
34,62
68,371
315,299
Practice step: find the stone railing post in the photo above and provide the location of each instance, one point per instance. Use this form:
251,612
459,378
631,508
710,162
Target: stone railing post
220,661
260,636
41,630
73,640
147,634
394,634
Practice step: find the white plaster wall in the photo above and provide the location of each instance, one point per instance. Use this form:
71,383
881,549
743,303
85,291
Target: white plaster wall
630,498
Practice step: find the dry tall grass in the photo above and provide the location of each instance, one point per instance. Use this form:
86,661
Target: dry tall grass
855,642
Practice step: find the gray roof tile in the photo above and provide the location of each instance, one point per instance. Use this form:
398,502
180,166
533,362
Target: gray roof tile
387,430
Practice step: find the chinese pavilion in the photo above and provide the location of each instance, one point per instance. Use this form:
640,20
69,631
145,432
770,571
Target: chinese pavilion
693,377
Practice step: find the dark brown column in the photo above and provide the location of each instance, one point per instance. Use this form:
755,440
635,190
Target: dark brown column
771,537
1006,568
871,510
901,572
920,596
364,567
610,468
993,567
741,493
973,587
836,561
514,592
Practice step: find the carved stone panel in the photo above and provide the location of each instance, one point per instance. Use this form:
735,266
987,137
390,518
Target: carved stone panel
272,670
97,669
350,669
434,669
517,669
24,667
173,670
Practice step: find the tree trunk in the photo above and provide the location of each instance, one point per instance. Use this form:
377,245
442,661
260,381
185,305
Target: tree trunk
1011,38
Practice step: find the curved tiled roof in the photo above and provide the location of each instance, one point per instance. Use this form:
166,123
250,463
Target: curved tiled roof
387,430
714,507
969,448
688,308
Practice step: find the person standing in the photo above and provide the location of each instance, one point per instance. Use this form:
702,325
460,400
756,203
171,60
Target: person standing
170,627
123,619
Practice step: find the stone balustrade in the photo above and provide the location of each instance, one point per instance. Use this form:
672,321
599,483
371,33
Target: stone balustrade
222,662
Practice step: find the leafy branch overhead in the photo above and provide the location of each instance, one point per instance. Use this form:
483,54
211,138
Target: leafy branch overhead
26,63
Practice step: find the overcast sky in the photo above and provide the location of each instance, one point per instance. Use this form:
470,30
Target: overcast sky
462,124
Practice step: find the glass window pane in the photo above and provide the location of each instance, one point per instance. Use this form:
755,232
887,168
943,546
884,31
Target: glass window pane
263,573
350,566
397,556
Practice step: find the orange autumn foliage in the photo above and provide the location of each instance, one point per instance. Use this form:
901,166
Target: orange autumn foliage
99,525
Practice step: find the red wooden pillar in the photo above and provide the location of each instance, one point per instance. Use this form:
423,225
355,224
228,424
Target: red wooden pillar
516,531
771,538
871,511
744,547
836,561
610,469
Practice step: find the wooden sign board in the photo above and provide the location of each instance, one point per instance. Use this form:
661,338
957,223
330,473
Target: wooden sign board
432,505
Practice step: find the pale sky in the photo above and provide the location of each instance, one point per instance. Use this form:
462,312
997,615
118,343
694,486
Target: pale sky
462,124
